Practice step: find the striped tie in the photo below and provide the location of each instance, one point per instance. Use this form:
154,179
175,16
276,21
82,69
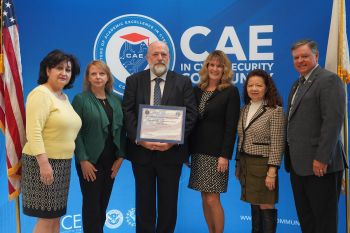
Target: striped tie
157,93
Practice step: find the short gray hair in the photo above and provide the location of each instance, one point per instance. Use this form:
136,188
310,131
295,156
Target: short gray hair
310,43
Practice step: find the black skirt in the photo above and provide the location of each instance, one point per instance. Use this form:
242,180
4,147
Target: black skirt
40,200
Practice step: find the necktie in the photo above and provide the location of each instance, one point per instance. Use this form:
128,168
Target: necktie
157,97
297,92
299,87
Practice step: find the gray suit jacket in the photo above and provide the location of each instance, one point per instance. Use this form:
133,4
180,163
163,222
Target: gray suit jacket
314,124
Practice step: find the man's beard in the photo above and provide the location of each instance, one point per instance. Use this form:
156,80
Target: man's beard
159,69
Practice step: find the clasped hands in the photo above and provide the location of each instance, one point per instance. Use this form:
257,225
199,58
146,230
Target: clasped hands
156,146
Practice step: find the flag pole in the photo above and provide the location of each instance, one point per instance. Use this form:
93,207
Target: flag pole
18,218
2,69
1,53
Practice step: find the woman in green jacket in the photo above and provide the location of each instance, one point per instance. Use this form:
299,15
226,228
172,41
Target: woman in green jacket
100,143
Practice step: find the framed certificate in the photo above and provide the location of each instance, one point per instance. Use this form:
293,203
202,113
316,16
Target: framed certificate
161,124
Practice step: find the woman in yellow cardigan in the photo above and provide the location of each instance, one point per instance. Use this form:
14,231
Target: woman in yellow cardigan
100,143
52,126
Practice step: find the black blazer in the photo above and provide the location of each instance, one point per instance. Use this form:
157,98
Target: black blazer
177,92
215,131
314,124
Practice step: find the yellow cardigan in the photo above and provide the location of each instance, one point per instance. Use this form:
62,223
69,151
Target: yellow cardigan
52,125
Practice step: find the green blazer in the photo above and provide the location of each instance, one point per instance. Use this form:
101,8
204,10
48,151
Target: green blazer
91,138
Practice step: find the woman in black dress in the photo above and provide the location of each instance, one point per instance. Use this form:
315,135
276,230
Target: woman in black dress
213,138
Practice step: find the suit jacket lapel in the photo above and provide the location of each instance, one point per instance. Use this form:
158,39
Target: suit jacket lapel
169,85
258,114
146,85
292,92
303,89
290,97
215,93
244,117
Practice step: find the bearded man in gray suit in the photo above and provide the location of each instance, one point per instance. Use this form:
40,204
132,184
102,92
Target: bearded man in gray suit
314,155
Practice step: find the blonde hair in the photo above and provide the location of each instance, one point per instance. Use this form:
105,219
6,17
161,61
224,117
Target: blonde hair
101,65
226,79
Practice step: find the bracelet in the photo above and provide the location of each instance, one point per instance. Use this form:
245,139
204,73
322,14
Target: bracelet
268,175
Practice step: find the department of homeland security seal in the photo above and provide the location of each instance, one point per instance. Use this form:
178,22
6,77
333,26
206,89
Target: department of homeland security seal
114,219
122,44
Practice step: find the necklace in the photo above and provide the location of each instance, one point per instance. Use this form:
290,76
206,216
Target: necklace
58,94
103,101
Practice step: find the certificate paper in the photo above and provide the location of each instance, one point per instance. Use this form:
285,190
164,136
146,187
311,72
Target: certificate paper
161,124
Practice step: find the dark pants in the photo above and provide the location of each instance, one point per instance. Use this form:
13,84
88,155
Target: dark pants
96,195
156,182
316,200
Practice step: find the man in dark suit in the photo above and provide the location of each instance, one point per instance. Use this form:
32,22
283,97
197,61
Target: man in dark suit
314,153
157,166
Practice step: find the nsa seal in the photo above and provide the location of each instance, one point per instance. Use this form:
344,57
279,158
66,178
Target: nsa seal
123,42
114,219
130,217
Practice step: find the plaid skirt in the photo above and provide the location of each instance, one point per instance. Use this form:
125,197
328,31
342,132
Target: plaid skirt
40,200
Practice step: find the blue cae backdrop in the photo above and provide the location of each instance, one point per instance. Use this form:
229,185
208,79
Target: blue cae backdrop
254,33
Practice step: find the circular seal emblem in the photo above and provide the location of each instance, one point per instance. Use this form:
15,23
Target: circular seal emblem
114,219
130,217
123,42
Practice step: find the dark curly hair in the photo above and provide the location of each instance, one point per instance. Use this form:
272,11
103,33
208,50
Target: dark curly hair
54,58
272,97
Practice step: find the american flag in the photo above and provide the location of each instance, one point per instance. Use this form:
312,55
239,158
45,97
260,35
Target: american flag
12,115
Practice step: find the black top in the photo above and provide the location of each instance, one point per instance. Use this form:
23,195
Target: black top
215,131
110,148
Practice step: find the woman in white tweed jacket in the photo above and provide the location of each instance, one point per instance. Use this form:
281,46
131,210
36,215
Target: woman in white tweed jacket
260,146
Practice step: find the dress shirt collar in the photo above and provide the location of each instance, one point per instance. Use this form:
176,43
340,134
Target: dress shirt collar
308,74
153,76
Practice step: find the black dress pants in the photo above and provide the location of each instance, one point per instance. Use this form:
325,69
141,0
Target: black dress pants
96,194
316,200
157,187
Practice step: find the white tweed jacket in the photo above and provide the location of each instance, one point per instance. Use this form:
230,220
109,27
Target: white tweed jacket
264,135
